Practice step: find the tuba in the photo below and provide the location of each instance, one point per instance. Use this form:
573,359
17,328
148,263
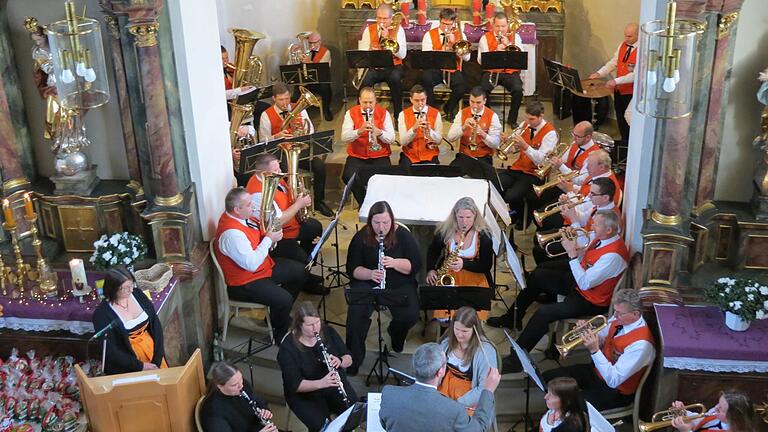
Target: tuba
507,143
239,114
295,183
444,277
305,100
300,49
663,419
539,189
546,240
247,67
268,220
574,338
557,207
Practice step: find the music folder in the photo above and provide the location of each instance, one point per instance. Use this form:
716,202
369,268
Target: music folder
433,60
505,60
369,59
257,94
306,73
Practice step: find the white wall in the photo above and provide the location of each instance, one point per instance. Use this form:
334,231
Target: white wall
742,118
103,125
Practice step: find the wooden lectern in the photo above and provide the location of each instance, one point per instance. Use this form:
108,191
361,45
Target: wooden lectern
159,400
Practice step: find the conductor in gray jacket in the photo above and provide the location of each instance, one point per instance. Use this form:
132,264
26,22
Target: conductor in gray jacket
421,408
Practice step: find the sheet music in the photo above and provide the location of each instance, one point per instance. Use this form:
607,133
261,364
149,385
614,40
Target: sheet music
597,422
498,204
323,239
338,422
514,264
494,227
373,423
525,360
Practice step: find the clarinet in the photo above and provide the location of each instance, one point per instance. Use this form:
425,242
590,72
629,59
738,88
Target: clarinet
383,283
264,421
327,361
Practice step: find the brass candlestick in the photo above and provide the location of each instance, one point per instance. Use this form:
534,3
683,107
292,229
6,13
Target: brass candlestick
22,269
46,279
5,273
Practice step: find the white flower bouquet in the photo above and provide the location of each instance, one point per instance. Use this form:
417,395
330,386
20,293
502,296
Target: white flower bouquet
744,297
119,248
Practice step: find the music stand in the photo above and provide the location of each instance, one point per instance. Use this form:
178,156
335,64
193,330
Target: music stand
362,59
402,378
472,167
433,297
504,60
306,73
563,77
435,170
349,420
377,298
531,373
320,143
253,96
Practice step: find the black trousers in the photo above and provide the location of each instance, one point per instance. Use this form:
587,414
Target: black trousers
317,167
314,408
459,87
291,277
325,93
593,388
299,248
574,306
514,86
518,187
394,78
621,103
405,162
359,321
469,165
351,167
550,278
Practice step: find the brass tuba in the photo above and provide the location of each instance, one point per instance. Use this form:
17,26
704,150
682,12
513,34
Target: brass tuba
248,68
508,143
299,49
305,100
239,114
575,337
268,220
663,419
295,183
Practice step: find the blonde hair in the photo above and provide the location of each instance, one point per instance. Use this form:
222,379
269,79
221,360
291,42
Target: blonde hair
448,227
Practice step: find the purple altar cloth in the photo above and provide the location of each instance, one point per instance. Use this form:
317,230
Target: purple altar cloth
62,314
700,332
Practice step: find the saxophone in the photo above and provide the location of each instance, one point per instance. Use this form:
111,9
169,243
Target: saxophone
383,283
327,361
256,410
444,277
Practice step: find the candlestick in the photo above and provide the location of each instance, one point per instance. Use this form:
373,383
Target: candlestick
8,214
29,209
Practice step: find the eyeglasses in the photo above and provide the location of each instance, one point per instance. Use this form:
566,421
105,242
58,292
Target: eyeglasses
618,314
579,136
596,194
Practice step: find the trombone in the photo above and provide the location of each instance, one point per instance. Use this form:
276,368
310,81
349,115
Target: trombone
663,419
507,144
557,207
569,233
575,337
539,189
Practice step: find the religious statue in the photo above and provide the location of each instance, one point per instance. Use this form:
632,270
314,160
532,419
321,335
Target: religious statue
760,195
762,96
45,79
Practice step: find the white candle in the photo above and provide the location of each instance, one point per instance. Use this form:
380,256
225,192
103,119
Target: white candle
77,268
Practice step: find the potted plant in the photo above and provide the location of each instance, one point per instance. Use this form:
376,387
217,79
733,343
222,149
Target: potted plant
119,248
743,301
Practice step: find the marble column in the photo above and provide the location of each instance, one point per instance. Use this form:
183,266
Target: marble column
670,194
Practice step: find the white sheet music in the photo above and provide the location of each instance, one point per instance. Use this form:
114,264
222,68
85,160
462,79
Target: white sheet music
373,423
514,264
338,422
525,360
597,422
496,232
498,204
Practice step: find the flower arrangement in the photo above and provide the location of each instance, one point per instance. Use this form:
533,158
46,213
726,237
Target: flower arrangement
743,297
119,248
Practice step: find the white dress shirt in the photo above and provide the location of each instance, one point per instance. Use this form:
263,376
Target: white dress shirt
265,125
235,244
607,266
426,43
493,137
407,135
578,180
364,43
482,47
636,355
548,143
585,210
611,66
349,133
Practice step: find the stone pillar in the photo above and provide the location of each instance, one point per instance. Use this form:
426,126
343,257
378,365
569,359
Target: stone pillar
670,193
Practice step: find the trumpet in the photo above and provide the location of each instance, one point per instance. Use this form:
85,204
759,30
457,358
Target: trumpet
539,189
663,419
557,207
507,144
473,135
575,337
373,143
546,240
425,131
546,165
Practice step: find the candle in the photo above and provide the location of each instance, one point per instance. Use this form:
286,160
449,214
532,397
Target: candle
476,6
421,15
490,11
405,8
8,213
28,207
77,268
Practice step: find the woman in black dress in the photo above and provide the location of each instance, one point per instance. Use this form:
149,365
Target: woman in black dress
135,340
231,406
314,392
397,267
567,411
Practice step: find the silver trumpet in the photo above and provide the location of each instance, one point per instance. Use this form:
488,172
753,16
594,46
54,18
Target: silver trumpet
373,143
256,410
425,130
473,135
327,361
383,283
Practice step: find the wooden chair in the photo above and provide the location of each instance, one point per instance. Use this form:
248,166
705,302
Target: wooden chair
228,305
633,408
198,406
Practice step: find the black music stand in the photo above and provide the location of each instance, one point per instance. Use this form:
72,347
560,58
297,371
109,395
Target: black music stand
306,73
504,60
532,373
361,59
255,95
320,143
378,298
433,60
563,77
433,297
434,170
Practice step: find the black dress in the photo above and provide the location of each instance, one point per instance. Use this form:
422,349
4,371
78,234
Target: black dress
120,357
404,317
483,263
222,413
297,363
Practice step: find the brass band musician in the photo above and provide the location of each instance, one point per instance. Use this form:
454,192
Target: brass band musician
478,129
319,53
598,165
421,130
501,39
734,412
445,38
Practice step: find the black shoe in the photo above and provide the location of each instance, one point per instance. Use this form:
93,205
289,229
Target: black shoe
501,321
315,285
323,208
511,364
396,347
327,115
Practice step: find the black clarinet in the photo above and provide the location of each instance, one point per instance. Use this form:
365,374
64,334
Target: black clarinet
327,361
256,410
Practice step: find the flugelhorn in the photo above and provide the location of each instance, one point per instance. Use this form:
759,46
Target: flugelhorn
663,419
575,337
569,233
507,144
539,189
543,169
557,207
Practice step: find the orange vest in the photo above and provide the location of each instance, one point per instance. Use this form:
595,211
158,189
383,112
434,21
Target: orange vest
320,54
584,191
227,81
623,68
577,162
601,294
493,43
485,123
717,427
613,347
373,33
234,275
615,210
283,200
524,163
417,150
359,147
437,44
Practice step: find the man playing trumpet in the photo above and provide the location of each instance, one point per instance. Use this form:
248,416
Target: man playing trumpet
478,129
598,165
500,39
587,284
421,130
445,38
620,354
